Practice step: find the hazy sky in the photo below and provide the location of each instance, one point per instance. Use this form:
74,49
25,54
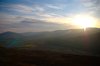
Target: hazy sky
44,15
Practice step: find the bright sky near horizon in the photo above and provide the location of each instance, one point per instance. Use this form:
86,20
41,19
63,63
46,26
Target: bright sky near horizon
48,15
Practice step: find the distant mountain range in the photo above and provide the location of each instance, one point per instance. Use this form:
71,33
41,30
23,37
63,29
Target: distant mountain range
75,41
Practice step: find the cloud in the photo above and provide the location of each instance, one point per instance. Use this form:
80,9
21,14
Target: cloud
8,19
47,22
22,8
59,19
97,7
38,8
17,7
28,24
54,6
93,6
44,16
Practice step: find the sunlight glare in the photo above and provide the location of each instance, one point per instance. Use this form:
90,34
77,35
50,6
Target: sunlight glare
84,21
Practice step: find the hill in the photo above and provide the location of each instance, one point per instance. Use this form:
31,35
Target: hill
73,41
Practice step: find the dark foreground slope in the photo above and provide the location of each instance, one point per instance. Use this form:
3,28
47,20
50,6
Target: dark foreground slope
19,57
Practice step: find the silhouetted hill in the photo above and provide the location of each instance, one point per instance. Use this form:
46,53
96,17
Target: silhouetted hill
10,39
74,47
9,35
73,41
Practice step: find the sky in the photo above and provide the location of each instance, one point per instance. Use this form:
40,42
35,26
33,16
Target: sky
44,15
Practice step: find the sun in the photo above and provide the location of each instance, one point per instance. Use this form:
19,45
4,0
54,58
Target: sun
84,21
